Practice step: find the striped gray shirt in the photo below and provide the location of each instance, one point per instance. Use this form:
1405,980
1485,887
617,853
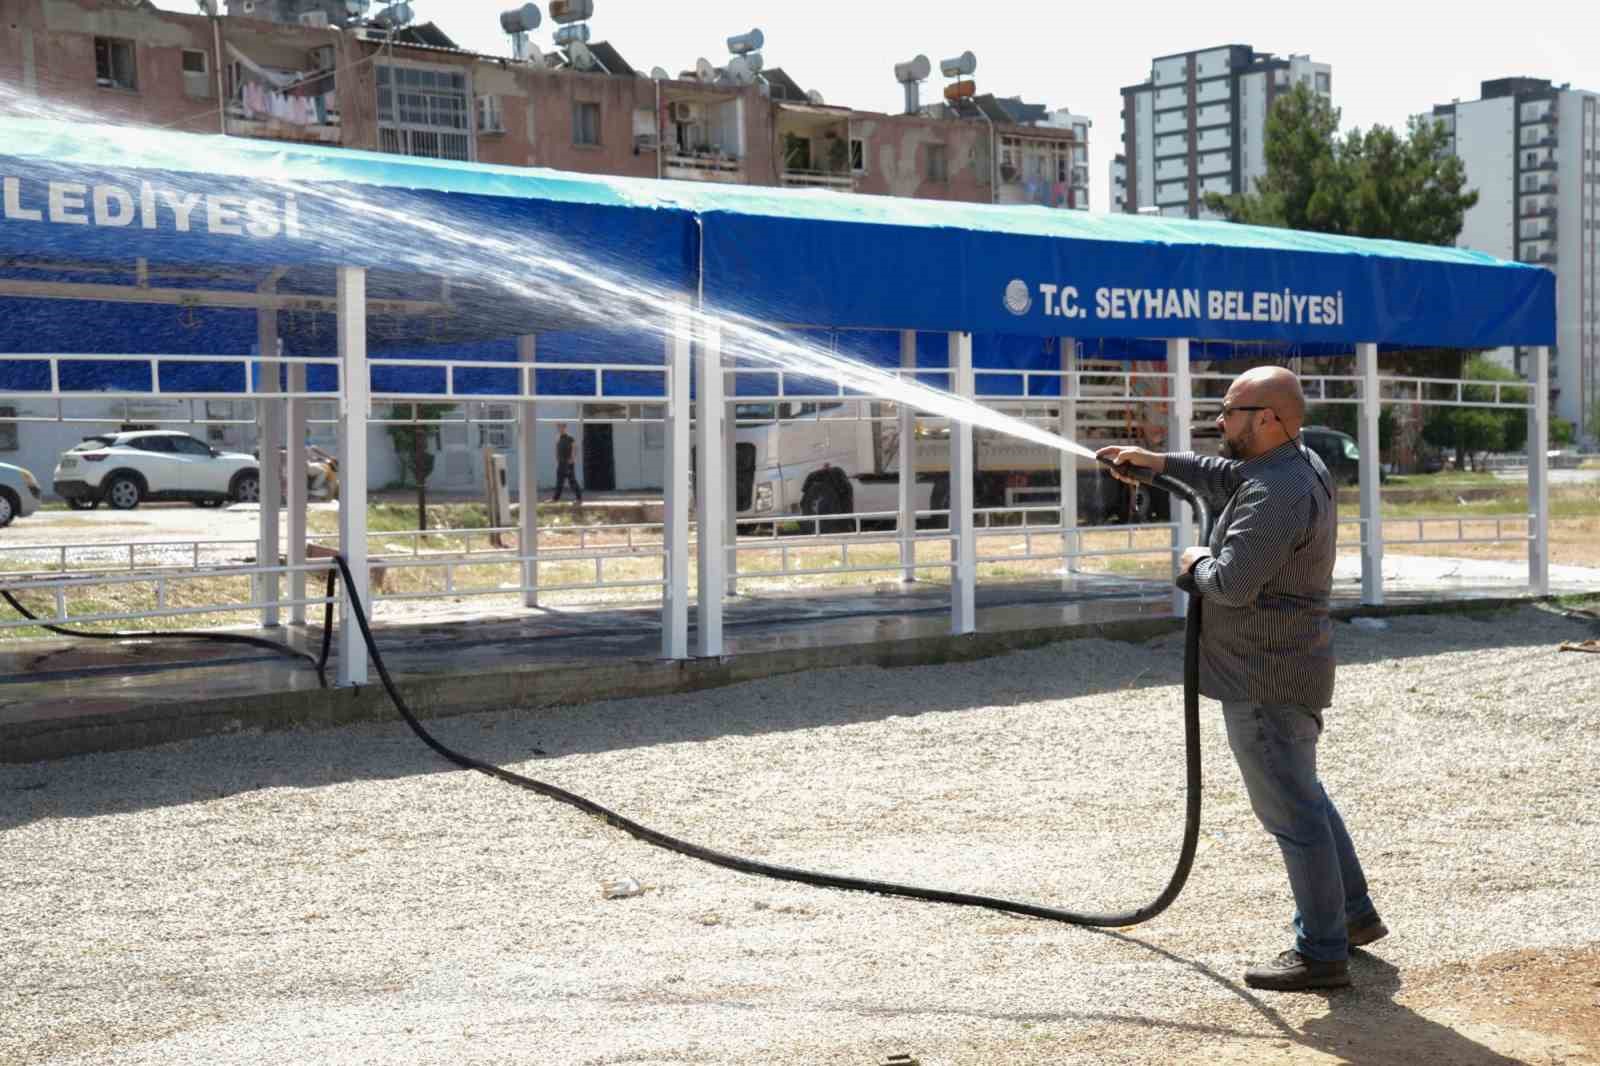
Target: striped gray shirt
1265,634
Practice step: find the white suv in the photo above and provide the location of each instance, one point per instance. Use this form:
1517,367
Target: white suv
19,494
125,469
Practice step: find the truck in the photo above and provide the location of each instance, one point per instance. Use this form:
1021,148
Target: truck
830,456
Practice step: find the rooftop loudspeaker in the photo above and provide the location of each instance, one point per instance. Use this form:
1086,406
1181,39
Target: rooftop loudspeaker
963,65
916,69
565,11
524,19
746,42
704,70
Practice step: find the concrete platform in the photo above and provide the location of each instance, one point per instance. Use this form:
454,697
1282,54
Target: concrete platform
61,697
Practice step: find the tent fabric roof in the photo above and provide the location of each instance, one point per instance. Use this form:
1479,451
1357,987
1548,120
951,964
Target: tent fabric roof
100,197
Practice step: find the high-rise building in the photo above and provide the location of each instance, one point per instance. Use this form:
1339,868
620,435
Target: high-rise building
1199,124
1532,151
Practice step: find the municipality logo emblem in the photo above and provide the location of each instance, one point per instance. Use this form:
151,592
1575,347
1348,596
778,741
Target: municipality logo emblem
1018,299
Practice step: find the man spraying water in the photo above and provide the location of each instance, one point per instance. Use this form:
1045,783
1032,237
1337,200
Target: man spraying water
1266,652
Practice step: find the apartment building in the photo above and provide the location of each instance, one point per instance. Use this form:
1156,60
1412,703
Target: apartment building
1198,126
311,71
1532,151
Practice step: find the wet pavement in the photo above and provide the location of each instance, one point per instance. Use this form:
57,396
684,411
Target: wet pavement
63,696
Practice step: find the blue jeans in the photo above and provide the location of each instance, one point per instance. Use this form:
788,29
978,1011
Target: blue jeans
1276,748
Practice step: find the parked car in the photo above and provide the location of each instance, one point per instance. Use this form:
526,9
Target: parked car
126,469
1338,451
19,494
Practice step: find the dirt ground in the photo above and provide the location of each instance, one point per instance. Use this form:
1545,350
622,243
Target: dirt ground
1533,1007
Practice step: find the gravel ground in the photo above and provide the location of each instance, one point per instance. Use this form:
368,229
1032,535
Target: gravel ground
342,897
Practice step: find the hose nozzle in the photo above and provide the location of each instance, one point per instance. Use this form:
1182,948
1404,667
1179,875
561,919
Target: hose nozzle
1143,475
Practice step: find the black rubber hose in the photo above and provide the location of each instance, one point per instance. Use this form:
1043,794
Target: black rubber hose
1191,830
318,663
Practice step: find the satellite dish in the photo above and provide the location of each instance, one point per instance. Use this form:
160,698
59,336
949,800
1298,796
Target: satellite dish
958,66
746,42
581,57
531,54
394,16
660,74
704,70
755,61
524,19
740,72
814,96
913,70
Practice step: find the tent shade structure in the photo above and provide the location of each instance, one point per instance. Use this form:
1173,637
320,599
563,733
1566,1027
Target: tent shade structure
109,195
161,268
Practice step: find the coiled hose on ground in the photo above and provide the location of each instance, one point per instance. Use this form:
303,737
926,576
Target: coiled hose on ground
1191,729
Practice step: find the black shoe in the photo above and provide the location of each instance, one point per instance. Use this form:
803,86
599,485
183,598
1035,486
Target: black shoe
1368,932
1292,972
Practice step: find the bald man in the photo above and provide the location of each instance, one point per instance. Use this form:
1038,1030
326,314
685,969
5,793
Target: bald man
1266,652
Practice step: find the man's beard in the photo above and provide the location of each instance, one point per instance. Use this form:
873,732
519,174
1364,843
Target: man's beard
1235,449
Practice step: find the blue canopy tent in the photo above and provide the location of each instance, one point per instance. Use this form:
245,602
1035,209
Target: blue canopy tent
95,220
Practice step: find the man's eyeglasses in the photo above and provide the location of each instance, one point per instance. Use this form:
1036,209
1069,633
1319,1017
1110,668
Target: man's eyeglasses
1229,409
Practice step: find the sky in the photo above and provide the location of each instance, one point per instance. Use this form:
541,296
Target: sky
1390,59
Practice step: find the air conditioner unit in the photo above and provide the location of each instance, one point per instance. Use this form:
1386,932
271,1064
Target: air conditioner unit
248,7
318,19
322,57
684,112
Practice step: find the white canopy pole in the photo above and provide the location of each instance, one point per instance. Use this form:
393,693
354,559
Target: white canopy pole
964,543
355,394
528,472
676,498
295,464
1067,428
1371,502
1180,438
1539,477
710,492
269,443
906,464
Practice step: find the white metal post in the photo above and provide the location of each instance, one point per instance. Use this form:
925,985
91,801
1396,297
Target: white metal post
1180,423
269,468
1539,477
1067,427
354,403
528,473
675,493
1371,501
710,492
906,464
964,579
730,531
295,465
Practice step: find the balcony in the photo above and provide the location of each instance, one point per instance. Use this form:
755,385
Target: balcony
818,179
712,167
243,122
1543,164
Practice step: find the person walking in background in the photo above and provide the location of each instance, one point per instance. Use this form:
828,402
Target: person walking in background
1266,652
566,464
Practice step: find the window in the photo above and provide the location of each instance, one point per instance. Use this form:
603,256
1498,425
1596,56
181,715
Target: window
8,430
1324,82
858,156
196,71
114,64
189,446
585,122
424,111
494,431
938,163
490,119
160,445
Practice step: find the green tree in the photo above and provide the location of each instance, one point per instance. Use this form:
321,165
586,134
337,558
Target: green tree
415,444
1471,431
1375,183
